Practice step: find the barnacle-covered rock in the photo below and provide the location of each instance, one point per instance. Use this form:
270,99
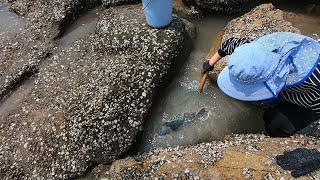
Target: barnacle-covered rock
237,157
21,55
90,101
221,6
262,20
118,2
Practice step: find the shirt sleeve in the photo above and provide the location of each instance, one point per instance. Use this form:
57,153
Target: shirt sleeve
228,46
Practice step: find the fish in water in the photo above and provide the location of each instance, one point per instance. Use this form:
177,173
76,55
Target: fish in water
178,122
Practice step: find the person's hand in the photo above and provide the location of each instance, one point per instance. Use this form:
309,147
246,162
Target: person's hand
206,67
300,161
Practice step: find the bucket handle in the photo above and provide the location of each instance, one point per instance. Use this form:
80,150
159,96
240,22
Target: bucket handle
146,5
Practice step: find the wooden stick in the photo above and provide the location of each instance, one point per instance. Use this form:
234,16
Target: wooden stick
203,81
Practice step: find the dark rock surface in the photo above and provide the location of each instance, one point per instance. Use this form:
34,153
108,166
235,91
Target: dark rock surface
221,6
118,2
91,99
209,7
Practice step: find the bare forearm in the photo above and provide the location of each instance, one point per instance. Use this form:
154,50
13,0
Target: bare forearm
214,59
318,148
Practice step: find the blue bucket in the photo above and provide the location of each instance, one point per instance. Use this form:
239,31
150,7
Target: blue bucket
158,12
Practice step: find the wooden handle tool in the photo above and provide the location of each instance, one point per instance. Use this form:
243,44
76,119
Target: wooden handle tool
203,81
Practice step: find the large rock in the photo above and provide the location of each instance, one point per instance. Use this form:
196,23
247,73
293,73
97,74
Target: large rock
221,6
237,157
118,2
180,8
91,100
21,55
262,20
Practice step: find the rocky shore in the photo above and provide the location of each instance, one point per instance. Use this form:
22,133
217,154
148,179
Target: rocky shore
264,19
90,100
21,55
237,157
222,6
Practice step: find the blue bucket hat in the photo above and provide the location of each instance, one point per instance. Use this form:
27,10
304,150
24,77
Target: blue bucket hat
261,69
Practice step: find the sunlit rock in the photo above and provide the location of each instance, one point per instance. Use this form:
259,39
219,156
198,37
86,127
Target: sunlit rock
236,157
262,20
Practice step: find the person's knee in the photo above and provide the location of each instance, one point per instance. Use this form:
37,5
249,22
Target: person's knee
269,115
277,124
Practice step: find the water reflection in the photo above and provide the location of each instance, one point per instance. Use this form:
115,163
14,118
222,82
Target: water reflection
81,27
10,23
8,104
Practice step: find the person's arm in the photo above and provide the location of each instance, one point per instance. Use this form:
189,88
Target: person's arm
318,148
226,48
214,59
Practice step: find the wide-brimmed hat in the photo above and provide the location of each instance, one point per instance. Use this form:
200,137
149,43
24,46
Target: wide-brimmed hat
257,71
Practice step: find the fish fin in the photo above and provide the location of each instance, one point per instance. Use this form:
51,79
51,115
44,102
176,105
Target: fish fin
165,130
203,110
200,114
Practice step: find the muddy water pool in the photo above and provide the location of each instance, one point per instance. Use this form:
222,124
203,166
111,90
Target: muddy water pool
226,115
302,14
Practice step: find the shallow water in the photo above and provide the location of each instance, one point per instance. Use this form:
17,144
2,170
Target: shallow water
226,115
308,24
11,102
301,15
10,23
81,27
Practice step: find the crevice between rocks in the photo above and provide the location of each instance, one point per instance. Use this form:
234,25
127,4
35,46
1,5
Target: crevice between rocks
73,15
60,27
